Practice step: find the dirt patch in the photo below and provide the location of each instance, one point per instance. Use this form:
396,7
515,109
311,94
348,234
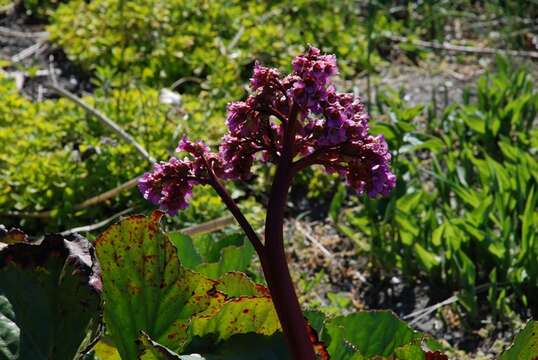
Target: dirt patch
32,61
316,248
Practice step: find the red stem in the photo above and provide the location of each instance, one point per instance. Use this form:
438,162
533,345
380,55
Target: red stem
276,269
236,212
272,254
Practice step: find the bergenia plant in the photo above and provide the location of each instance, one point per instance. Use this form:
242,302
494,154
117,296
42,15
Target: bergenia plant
293,122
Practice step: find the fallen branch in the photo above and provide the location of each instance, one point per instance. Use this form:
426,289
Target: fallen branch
108,194
184,80
4,31
204,228
308,235
209,226
464,49
35,49
104,119
96,226
421,313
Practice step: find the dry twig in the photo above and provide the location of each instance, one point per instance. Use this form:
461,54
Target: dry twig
35,49
464,49
209,226
104,119
85,204
96,226
5,31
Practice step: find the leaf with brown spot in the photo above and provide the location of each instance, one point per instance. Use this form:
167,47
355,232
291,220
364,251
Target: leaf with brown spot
239,284
238,347
146,288
149,349
238,316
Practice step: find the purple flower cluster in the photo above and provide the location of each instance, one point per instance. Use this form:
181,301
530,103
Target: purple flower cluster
311,75
169,185
330,129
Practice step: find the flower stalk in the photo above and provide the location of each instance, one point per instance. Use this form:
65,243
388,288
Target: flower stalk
293,121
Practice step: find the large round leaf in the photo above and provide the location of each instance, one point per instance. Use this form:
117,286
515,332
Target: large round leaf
146,288
54,289
368,334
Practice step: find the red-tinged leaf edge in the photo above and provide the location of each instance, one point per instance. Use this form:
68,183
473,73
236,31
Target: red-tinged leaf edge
319,346
435,355
77,251
11,236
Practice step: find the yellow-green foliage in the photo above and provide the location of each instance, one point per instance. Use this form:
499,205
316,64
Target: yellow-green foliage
57,155
211,45
160,41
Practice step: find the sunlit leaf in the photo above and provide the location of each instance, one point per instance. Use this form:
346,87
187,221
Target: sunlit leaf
525,346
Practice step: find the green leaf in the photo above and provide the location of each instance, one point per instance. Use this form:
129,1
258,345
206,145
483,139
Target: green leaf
528,234
475,120
210,249
213,257
238,284
437,234
232,258
525,346
467,276
186,252
427,259
146,288
9,331
409,202
337,202
316,320
54,288
239,316
367,334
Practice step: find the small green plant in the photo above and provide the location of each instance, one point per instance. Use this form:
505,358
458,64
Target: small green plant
467,215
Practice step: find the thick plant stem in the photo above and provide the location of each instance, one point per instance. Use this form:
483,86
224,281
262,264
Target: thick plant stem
272,254
275,266
287,306
274,263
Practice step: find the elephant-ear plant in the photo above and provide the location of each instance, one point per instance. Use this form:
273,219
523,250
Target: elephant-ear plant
294,122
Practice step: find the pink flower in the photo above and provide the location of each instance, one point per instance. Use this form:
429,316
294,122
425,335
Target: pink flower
330,129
